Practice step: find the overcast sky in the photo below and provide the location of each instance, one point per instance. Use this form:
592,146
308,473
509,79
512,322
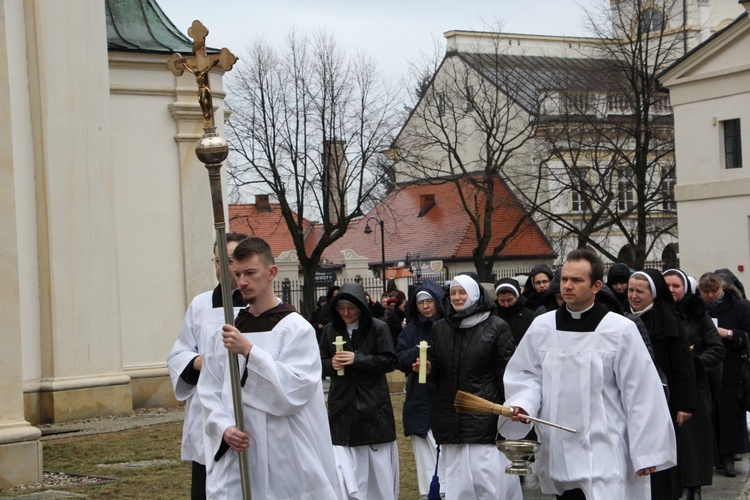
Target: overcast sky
393,32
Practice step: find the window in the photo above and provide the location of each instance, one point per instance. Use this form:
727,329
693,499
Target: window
469,107
441,104
625,191
577,187
732,144
651,20
668,181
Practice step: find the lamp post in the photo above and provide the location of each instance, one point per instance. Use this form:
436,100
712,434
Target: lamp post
368,230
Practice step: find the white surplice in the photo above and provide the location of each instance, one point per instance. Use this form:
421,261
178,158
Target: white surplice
476,470
368,472
290,453
603,384
201,321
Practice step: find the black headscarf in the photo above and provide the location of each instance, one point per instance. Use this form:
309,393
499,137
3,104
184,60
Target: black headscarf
661,320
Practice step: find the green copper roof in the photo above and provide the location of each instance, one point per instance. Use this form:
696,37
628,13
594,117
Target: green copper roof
141,26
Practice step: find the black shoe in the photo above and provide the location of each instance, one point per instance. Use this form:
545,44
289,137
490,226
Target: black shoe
694,493
729,467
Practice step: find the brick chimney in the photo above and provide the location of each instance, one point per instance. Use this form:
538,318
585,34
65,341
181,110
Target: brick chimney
334,179
426,202
261,203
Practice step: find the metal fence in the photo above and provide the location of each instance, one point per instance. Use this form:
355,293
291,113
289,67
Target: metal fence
290,291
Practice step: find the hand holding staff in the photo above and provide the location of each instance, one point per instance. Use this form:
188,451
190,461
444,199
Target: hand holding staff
469,403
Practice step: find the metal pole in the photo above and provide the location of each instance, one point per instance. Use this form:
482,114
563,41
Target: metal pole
209,151
212,150
382,254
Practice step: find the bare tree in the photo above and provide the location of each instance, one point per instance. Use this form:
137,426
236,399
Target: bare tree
470,123
606,149
308,125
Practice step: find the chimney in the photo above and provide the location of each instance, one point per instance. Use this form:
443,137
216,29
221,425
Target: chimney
426,202
261,203
334,179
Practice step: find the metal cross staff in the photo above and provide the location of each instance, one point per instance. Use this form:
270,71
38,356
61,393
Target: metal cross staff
212,150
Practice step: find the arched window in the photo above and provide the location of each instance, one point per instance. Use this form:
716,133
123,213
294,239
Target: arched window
651,20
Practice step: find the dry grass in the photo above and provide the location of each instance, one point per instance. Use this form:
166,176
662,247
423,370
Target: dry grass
99,455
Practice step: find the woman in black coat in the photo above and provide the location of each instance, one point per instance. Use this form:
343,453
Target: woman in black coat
695,461
424,310
650,299
470,350
360,414
733,316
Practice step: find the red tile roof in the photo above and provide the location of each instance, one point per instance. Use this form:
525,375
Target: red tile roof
269,225
443,233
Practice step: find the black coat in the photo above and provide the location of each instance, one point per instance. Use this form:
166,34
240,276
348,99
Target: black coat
472,360
359,403
416,413
696,453
729,419
518,317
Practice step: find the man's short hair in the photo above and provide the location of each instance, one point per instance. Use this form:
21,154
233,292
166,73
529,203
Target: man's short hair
253,246
597,266
232,237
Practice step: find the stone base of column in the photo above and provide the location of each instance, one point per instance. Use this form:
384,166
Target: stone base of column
63,400
151,388
20,455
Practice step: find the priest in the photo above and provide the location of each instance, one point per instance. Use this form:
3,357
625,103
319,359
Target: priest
588,369
287,440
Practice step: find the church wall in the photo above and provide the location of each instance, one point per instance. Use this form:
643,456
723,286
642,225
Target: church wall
164,220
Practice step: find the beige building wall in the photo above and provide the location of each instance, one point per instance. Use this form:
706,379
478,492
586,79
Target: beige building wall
713,203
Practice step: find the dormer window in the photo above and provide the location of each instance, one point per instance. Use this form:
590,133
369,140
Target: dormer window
426,202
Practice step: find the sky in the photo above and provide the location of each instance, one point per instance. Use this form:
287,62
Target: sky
393,32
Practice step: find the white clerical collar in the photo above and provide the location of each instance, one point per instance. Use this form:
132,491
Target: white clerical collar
579,314
350,327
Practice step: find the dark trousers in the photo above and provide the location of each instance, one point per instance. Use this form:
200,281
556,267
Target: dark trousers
198,486
576,494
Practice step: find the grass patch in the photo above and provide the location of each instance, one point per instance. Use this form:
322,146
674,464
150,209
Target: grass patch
86,454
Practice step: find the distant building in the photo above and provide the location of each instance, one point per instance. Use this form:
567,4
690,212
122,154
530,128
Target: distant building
710,93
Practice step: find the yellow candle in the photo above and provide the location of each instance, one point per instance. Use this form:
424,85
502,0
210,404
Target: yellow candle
339,347
423,362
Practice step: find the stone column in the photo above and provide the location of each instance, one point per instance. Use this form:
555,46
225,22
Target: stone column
354,265
20,450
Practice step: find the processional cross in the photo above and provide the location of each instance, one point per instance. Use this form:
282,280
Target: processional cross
212,150
199,64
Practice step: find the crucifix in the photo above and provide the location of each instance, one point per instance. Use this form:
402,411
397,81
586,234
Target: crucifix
212,150
199,64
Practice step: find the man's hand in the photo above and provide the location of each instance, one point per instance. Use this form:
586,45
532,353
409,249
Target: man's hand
415,366
646,471
236,440
682,417
234,341
342,359
198,362
519,415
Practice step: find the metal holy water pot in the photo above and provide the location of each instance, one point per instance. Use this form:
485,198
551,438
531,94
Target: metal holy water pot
520,453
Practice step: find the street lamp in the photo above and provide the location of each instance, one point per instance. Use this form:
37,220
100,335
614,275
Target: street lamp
368,230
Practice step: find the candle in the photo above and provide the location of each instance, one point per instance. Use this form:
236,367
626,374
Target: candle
423,362
339,347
